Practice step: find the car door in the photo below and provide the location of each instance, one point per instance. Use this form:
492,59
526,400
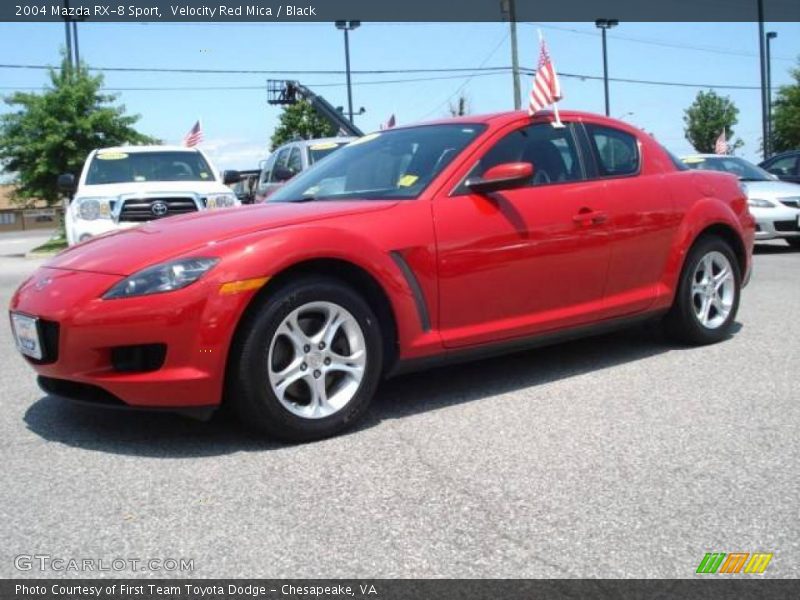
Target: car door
527,260
641,213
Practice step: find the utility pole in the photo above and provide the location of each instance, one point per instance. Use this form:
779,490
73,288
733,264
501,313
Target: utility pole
508,7
771,35
75,42
604,25
764,100
68,30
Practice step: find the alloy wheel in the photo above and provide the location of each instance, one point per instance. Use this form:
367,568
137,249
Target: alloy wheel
713,290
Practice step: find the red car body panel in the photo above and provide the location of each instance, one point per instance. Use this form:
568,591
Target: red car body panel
523,263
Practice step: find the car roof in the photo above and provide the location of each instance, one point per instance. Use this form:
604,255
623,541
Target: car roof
500,118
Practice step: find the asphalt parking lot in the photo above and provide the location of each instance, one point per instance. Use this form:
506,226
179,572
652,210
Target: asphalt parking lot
618,456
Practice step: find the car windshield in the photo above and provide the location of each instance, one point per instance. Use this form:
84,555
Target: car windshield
396,164
316,152
123,167
744,170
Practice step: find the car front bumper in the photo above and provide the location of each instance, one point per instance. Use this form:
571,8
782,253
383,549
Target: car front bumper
101,350
774,223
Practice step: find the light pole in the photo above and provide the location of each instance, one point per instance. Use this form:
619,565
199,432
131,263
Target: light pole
604,25
771,35
347,27
762,58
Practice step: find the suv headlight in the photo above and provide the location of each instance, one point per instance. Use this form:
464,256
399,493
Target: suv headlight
166,277
220,200
759,203
90,209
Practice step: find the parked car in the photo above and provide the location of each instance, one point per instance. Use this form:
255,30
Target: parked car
775,204
245,188
409,247
122,187
292,158
785,166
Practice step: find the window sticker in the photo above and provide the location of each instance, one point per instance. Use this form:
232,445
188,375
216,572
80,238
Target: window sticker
407,180
324,146
111,155
364,139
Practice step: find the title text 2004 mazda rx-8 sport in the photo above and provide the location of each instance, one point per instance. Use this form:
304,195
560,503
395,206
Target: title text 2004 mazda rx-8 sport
439,241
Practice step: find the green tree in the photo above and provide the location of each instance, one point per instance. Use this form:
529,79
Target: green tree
786,116
301,121
52,132
707,117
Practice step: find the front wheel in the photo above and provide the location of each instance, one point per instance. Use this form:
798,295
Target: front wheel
708,294
307,363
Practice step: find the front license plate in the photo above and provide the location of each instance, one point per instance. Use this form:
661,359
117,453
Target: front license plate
26,333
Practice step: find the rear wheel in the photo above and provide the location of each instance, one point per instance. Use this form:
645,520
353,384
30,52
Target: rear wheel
708,294
307,363
794,242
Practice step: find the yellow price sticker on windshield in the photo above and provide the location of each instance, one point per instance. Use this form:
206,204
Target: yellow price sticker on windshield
324,146
111,155
694,159
203,175
364,139
407,180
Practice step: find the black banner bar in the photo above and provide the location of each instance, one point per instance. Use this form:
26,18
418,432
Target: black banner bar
395,10
706,587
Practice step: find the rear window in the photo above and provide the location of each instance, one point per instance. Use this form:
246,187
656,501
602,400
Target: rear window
617,152
122,167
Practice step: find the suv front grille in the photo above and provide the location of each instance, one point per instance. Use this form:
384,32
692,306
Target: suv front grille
142,209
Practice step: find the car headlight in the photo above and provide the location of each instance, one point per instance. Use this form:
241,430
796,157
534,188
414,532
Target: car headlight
90,209
759,203
220,200
166,277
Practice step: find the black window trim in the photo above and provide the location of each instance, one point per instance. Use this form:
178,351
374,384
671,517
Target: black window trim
460,190
592,150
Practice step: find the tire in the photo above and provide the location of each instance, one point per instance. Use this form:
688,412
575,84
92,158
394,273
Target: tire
700,315
794,242
283,383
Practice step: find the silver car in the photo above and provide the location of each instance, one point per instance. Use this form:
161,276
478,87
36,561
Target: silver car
292,158
775,204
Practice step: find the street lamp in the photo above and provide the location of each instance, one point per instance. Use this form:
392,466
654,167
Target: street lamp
348,26
603,25
771,35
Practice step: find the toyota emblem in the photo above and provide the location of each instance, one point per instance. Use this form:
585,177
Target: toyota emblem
159,208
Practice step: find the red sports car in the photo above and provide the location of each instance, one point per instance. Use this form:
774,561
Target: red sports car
441,241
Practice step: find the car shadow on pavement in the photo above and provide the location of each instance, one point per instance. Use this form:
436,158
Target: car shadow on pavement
165,435
774,249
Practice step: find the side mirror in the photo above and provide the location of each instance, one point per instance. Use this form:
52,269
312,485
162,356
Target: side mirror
281,173
505,176
66,183
229,177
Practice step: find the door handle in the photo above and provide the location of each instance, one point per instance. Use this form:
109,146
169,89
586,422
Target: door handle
587,216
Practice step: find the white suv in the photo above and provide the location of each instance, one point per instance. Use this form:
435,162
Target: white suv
124,186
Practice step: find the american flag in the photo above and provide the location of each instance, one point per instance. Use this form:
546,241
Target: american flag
721,145
546,89
389,124
195,135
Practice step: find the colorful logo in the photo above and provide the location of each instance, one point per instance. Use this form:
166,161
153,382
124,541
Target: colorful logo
735,562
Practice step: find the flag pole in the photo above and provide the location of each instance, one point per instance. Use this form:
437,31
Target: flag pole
557,123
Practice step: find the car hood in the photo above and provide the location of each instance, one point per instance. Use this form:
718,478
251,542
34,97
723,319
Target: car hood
127,251
771,190
153,187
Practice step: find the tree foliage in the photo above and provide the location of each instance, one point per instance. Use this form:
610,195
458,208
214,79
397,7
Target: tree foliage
707,117
301,121
786,116
52,132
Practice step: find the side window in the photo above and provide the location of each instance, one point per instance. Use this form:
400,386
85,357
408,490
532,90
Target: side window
784,166
266,171
295,161
617,152
280,161
551,150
